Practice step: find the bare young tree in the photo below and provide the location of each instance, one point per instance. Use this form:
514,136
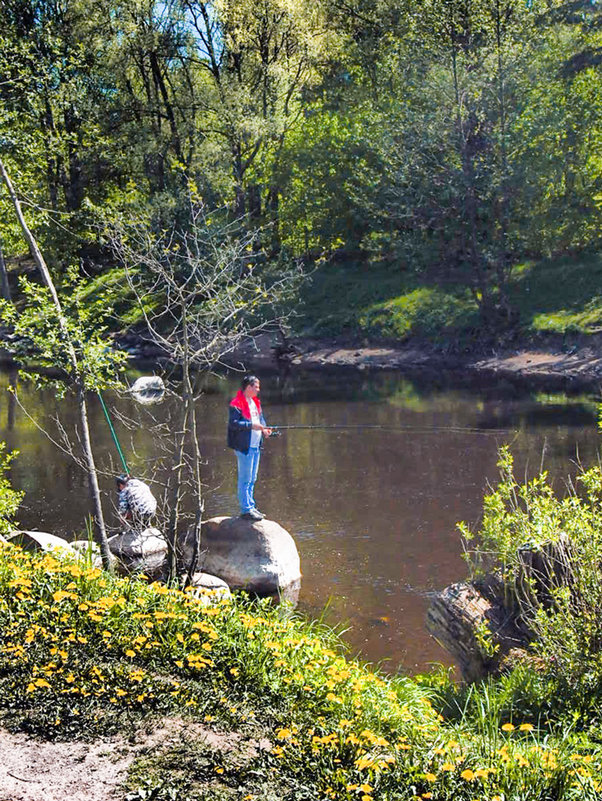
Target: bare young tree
201,292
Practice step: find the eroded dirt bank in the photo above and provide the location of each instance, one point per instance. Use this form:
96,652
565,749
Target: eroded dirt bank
553,364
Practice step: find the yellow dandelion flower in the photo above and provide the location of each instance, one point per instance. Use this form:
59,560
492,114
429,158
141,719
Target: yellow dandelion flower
430,777
525,727
284,734
130,653
481,773
468,775
507,727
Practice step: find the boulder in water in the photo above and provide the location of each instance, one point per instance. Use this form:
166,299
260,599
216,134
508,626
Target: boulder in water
148,389
258,556
89,550
140,552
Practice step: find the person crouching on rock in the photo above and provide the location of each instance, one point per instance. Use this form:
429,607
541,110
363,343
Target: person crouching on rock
137,504
246,429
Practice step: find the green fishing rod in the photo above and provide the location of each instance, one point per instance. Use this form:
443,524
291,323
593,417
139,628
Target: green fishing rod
113,433
277,429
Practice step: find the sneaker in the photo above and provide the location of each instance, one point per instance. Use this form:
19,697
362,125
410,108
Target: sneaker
261,514
252,514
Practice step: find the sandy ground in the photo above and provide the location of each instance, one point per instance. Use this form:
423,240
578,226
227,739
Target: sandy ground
580,364
33,770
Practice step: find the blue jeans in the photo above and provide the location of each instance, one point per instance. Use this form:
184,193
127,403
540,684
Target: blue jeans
248,465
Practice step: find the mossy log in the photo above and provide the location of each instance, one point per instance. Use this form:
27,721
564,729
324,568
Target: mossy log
478,631
485,624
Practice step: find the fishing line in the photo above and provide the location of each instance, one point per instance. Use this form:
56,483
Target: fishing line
399,429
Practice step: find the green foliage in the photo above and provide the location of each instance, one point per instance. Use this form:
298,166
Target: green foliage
565,613
39,338
452,139
9,498
83,653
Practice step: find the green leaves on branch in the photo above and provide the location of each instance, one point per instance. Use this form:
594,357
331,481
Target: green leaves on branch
9,498
39,341
561,603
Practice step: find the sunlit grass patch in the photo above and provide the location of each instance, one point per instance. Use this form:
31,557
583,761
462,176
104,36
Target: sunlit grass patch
560,296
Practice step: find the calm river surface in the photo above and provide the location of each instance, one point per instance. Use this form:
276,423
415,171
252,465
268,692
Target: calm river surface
373,512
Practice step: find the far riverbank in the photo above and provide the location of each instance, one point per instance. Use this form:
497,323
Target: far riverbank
553,363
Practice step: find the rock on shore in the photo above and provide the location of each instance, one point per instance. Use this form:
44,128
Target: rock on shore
257,556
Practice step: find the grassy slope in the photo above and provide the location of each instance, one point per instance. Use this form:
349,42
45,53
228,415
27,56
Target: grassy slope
82,654
552,296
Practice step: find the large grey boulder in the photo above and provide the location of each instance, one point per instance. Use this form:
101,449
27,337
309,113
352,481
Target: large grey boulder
40,541
258,556
140,552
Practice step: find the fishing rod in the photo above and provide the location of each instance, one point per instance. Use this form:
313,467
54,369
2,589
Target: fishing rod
278,429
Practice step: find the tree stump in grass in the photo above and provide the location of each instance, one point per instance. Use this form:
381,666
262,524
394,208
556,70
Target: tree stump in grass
542,570
478,631
485,625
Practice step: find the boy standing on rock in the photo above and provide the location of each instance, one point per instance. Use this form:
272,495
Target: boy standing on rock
246,428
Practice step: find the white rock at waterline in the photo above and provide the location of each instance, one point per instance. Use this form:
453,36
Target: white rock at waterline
40,541
88,549
257,556
208,589
140,552
148,389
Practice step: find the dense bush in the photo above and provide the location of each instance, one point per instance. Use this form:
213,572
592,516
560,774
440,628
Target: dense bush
566,618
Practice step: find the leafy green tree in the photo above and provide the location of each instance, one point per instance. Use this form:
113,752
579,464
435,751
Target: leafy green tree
71,342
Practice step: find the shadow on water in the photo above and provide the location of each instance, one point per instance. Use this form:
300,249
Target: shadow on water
373,511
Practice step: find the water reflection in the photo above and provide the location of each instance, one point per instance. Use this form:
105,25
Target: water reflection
373,511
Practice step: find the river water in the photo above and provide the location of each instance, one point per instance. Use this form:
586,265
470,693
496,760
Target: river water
373,512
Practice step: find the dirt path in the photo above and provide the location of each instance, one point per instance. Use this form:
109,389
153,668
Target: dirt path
33,770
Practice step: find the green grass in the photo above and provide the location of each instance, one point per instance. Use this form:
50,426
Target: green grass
83,654
559,296
378,302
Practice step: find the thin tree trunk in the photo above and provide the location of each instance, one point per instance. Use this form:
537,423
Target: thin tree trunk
198,487
470,201
175,495
99,524
4,278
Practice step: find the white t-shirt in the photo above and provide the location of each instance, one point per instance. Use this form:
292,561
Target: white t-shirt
255,435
